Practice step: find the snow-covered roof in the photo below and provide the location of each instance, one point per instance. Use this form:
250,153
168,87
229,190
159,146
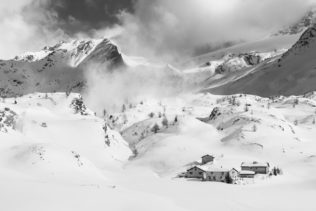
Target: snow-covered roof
208,156
255,164
199,167
212,168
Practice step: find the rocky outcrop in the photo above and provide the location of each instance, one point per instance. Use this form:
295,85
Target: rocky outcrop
252,59
105,53
233,63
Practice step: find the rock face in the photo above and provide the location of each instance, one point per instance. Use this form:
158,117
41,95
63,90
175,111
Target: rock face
58,68
252,59
293,73
105,53
233,63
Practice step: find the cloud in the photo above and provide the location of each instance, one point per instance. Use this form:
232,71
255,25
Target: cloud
161,29
19,34
167,30
177,27
109,90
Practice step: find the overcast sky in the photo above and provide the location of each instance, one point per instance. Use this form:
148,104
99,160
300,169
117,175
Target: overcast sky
146,26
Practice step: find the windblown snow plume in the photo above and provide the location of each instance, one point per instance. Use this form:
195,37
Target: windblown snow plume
110,89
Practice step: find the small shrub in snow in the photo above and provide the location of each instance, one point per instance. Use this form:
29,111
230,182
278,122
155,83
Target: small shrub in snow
44,124
155,128
165,122
276,171
246,109
175,120
123,108
295,103
107,140
254,128
151,114
77,157
78,105
233,101
296,122
135,152
215,113
7,119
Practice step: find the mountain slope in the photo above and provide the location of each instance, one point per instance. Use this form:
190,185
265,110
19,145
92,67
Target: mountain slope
58,68
293,73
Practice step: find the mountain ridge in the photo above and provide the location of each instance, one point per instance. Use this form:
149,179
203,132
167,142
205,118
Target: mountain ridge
58,68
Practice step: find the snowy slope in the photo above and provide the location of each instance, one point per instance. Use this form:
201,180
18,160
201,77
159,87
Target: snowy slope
57,154
51,151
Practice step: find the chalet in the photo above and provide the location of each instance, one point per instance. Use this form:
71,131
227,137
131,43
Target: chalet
195,172
247,174
258,168
207,159
220,175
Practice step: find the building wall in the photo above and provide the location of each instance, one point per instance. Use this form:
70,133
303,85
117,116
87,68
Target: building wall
247,176
221,176
207,159
257,170
195,173
216,176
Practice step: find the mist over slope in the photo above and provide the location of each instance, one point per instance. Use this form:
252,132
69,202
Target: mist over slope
301,25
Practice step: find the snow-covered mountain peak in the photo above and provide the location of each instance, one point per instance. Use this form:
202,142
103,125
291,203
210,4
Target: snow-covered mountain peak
57,68
75,50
